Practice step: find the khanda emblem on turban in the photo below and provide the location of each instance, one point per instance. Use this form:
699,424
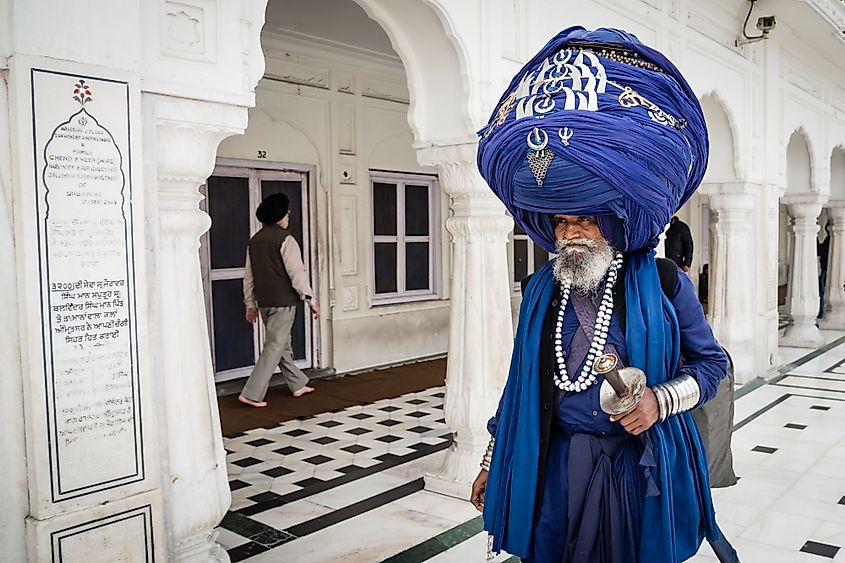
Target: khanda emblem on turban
540,156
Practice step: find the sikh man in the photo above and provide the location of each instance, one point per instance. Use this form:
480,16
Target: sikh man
275,281
597,141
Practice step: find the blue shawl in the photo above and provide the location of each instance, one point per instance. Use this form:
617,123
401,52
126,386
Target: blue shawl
677,518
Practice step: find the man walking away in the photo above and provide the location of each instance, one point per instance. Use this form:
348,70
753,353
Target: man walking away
678,246
275,281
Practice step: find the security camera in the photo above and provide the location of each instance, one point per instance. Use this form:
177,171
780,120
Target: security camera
766,23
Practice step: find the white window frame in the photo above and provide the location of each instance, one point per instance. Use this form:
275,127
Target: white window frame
401,295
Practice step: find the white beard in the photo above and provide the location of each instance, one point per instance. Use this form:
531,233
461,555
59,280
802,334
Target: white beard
584,266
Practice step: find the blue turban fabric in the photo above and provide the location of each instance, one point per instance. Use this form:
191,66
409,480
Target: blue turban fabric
626,132
599,124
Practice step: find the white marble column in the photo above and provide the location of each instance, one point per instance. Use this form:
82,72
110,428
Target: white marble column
13,460
481,329
732,276
834,313
803,273
181,138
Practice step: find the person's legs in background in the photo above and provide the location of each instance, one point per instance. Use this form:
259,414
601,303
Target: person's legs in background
296,381
275,342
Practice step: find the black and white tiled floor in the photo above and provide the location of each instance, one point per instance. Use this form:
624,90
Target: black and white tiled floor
347,486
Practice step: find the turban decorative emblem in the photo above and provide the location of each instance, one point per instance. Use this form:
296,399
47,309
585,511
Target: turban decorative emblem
596,124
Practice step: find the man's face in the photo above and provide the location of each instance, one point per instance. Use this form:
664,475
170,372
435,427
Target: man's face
571,228
583,253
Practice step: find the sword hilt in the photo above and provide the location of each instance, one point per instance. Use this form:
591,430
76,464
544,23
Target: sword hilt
606,365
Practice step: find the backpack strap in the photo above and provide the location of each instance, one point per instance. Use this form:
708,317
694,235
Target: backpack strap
667,271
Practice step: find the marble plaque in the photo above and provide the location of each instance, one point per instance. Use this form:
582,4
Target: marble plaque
87,278
126,536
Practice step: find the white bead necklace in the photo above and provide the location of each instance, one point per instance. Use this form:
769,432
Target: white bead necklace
587,377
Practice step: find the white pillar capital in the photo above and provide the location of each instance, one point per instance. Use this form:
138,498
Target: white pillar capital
481,329
182,137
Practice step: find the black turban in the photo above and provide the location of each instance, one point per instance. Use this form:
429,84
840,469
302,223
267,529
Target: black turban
272,209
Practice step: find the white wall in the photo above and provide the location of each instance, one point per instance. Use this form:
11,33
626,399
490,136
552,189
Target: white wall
345,111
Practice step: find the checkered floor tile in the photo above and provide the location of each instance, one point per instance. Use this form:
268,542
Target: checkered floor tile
310,452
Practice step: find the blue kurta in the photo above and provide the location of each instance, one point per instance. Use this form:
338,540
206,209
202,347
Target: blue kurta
600,458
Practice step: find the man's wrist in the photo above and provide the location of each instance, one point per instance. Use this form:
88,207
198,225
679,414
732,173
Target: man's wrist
677,395
488,454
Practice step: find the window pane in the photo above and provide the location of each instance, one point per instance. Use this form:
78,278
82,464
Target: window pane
520,259
385,258
233,336
540,256
416,210
384,209
417,266
228,207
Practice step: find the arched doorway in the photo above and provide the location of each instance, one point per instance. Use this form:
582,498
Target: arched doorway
358,96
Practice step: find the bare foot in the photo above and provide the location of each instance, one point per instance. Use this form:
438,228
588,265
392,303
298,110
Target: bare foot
250,402
303,391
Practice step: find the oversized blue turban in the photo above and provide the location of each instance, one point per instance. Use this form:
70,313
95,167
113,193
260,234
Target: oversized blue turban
596,124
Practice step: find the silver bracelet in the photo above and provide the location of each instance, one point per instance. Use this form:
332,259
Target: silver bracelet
677,395
488,455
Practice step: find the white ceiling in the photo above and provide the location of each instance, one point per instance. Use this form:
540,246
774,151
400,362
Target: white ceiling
341,21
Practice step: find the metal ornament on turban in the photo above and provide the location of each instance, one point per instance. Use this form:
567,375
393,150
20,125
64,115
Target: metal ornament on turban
596,124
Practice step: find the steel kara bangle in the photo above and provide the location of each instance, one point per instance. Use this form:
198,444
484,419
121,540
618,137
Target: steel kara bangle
677,395
488,455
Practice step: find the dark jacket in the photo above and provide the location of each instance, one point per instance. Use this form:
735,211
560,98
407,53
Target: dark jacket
273,287
678,246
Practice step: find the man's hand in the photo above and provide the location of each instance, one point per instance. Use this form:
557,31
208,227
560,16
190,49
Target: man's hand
251,314
641,417
315,309
685,268
479,486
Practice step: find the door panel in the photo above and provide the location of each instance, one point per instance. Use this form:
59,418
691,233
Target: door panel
234,338
232,194
228,207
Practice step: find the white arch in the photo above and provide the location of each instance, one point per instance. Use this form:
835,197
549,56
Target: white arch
436,67
799,163
837,173
725,153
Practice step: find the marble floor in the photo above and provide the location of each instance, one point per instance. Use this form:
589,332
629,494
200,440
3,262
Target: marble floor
347,486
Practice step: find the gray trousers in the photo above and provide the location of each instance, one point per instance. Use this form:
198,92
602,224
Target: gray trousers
278,322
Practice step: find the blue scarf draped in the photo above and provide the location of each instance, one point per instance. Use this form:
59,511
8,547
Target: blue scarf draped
677,518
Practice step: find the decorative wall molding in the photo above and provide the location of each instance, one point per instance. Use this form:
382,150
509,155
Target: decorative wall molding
713,28
295,73
350,298
189,30
384,90
346,132
833,12
348,236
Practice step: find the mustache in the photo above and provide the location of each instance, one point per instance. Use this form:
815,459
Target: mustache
564,243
